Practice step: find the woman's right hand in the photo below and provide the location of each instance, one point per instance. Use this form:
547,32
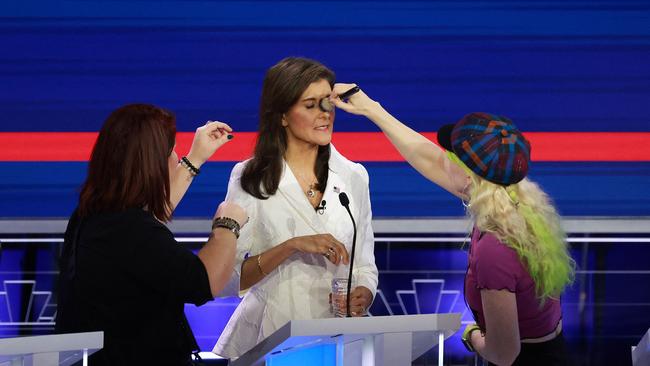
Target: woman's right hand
359,103
207,139
323,244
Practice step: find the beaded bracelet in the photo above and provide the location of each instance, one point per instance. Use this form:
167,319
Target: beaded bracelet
227,223
184,165
187,164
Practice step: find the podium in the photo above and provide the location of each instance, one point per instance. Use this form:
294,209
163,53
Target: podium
379,340
641,352
50,350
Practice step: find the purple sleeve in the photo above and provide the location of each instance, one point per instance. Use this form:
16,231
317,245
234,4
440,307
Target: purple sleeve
497,266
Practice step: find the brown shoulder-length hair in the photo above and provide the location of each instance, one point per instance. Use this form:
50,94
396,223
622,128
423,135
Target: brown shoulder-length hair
129,167
284,83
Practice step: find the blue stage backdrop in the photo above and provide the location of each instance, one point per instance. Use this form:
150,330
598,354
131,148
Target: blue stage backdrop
551,66
563,68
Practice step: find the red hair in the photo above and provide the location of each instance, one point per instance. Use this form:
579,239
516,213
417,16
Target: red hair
129,167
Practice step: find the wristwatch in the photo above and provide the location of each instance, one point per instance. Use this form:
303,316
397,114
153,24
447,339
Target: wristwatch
467,336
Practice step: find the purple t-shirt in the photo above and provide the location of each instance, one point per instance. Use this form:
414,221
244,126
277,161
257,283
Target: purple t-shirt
495,266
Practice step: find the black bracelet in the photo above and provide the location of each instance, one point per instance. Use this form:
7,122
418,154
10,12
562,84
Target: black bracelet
189,166
227,223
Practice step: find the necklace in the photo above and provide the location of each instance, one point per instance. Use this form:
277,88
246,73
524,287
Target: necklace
311,192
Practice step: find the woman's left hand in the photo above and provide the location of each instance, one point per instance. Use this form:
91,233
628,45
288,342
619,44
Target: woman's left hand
360,301
207,139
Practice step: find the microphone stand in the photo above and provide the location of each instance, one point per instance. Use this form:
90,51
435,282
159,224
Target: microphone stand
346,203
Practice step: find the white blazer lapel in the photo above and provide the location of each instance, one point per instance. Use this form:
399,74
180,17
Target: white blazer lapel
335,185
290,190
336,181
335,218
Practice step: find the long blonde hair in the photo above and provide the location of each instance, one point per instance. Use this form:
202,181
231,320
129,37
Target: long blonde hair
522,217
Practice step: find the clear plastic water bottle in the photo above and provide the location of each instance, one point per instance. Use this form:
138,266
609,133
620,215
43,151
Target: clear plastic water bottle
339,297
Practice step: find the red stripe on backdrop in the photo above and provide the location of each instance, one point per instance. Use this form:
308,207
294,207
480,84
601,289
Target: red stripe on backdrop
357,146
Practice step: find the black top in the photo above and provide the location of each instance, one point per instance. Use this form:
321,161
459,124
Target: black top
130,279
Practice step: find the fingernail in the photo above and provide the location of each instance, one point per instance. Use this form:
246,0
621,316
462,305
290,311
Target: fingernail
230,137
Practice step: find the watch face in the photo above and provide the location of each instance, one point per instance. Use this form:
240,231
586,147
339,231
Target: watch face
467,345
466,338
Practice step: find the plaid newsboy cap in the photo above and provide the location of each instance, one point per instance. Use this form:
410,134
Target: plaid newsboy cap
490,145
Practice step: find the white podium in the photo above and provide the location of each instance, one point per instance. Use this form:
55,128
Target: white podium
641,352
50,350
382,340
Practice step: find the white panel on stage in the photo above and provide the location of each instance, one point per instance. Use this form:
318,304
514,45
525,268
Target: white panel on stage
51,350
384,340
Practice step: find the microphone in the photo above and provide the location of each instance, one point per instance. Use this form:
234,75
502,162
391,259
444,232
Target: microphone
321,208
345,201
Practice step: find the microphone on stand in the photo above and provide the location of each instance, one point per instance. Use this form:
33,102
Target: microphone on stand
343,198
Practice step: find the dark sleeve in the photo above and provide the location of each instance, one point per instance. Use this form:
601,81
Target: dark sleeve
68,237
65,320
497,266
159,261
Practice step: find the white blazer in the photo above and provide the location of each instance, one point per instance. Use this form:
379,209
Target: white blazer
299,288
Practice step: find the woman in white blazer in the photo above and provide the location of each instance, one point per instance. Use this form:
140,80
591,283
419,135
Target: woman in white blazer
292,247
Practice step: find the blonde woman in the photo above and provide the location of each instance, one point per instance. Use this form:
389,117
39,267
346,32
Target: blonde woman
518,260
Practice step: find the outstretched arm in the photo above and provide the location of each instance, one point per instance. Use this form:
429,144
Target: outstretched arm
422,154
